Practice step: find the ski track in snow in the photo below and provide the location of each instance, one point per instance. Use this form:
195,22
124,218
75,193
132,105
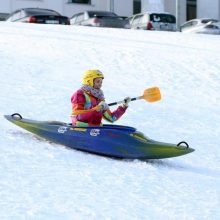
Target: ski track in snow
41,66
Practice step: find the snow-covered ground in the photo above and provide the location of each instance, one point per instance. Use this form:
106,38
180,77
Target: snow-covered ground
42,65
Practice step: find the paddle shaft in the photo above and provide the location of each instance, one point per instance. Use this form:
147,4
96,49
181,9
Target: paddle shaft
116,103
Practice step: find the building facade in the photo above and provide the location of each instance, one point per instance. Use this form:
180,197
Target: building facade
183,9
70,7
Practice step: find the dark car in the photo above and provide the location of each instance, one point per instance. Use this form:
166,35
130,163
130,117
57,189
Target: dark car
37,15
98,19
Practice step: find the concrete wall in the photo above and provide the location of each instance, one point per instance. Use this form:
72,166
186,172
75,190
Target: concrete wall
152,5
123,7
208,9
68,9
8,6
61,6
120,7
171,7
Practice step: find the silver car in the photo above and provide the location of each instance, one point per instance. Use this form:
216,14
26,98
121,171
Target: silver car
98,19
153,21
201,26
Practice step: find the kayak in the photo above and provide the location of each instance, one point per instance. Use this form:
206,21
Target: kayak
116,141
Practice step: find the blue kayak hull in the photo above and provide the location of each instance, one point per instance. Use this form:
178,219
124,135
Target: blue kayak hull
108,140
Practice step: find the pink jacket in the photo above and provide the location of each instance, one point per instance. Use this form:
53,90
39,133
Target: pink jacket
82,100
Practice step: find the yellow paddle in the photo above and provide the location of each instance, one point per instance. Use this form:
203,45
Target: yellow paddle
150,95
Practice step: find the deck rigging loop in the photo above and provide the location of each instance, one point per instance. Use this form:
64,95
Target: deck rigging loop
183,142
16,116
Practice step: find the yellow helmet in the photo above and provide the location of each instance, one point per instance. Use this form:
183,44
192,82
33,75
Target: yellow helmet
90,75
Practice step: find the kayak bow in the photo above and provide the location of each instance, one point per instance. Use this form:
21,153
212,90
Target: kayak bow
115,141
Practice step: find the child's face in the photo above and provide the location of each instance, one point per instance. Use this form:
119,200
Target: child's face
97,84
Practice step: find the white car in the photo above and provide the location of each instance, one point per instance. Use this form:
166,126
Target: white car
201,26
158,21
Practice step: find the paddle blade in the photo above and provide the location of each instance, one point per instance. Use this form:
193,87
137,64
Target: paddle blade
152,94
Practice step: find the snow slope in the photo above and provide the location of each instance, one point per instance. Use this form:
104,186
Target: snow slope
42,65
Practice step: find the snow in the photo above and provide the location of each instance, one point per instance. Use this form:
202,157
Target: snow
42,65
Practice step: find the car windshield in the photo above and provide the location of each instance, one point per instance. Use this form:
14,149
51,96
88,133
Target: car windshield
36,11
204,21
101,14
211,26
166,18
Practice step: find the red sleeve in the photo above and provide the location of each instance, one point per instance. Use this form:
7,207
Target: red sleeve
78,100
115,115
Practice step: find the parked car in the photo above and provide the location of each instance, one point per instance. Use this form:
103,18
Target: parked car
37,15
3,16
153,21
98,19
201,26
